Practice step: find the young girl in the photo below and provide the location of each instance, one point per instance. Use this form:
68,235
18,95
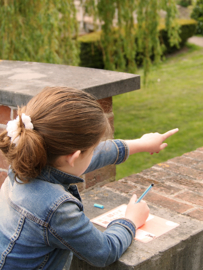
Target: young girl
53,141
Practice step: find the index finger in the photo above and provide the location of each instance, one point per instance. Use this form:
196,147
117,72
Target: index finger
170,133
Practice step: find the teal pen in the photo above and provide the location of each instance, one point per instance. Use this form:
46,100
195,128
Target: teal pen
146,191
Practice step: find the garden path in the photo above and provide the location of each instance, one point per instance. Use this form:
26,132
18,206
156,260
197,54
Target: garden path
196,40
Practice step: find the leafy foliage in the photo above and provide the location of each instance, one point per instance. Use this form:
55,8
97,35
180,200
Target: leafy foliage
197,14
117,18
38,30
46,30
91,50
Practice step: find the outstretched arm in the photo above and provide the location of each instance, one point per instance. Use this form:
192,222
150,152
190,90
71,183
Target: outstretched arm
117,151
151,142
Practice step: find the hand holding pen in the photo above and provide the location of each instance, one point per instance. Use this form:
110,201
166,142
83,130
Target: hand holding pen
137,210
145,193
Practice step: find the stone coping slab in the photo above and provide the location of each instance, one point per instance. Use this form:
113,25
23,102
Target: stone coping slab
20,81
179,249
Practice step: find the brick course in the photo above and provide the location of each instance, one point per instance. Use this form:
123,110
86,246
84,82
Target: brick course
106,104
5,114
197,214
178,184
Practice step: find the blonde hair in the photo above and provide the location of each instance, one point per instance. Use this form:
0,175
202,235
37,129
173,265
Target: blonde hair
65,120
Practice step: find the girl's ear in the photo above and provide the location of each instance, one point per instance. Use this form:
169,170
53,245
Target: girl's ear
72,158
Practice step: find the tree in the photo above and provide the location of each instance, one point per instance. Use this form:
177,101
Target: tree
38,30
125,32
46,30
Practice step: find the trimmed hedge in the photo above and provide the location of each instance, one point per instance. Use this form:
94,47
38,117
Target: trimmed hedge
184,3
91,49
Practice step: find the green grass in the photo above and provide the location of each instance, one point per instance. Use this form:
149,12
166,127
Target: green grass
175,101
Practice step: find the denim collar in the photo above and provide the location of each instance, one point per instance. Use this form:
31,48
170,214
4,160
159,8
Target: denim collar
53,175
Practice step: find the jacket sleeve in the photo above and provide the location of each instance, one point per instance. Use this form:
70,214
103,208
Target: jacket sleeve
107,153
71,229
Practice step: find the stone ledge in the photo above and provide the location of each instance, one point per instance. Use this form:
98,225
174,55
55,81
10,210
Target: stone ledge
20,81
178,184
179,249
177,196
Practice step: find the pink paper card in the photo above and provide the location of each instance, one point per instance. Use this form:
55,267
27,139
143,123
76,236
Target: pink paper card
153,227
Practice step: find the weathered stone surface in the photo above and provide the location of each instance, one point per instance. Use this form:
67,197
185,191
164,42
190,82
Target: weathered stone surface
177,195
19,81
179,249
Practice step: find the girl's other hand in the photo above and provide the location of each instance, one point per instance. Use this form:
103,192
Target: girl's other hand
137,212
153,142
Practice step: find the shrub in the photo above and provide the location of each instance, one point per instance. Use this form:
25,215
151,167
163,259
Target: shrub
187,30
185,3
91,49
197,14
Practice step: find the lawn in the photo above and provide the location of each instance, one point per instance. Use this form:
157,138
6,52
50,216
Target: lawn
173,97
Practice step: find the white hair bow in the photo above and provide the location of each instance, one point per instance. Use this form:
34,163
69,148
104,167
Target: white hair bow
13,125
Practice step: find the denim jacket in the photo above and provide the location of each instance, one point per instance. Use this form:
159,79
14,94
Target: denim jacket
42,223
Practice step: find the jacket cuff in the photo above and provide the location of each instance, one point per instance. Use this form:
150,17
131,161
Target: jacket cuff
128,224
122,151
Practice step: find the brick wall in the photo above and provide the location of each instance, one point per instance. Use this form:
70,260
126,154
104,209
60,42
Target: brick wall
105,174
178,184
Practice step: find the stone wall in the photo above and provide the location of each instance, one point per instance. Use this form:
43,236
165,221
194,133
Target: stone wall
177,196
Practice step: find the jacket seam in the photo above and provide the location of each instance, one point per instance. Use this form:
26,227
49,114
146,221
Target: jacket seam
117,151
126,228
61,200
28,215
53,232
42,223
12,241
126,150
37,220
117,221
44,262
130,221
53,210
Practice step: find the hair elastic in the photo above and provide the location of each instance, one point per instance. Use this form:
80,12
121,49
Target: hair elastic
13,125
